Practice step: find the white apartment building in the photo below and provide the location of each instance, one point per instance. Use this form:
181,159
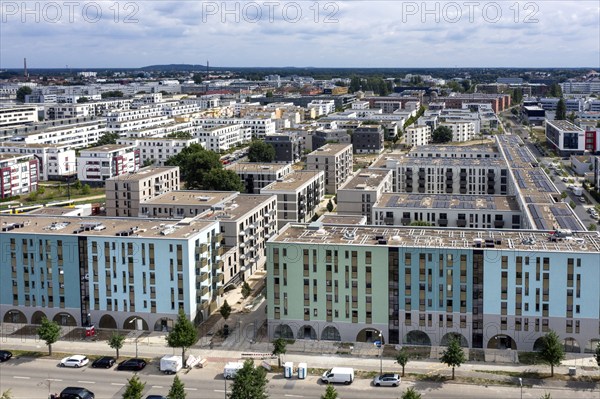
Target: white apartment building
158,149
222,137
323,107
18,174
461,131
259,127
335,160
298,196
256,175
74,132
97,164
15,115
141,118
361,192
566,138
125,193
171,126
417,135
56,161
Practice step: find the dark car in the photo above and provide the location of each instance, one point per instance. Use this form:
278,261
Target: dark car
76,393
132,365
156,397
105,362
5,355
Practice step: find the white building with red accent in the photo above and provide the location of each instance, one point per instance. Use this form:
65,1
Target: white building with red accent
97,164
18,174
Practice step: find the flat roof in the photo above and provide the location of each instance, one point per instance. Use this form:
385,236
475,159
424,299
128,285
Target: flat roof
448,201
444,148
330,149
144,173
332,218
108,148
565,125
22,144
237,207
435,237
366,179
293,181
104,227
256,167
192,197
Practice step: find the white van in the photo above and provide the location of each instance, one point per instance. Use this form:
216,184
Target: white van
231,369
342,375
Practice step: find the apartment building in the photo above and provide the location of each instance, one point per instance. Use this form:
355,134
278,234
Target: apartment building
566,138
257,175
322,107
125,193
259,127
298,196
223,137
74,132
15,115
158,149
358,195
97,164
472,211
461,131
494,289
56,161
417,135
19,174
323,136
288,147
336,161
141,118
80,271
368,139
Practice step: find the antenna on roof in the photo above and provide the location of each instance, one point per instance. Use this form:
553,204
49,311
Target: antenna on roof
207,75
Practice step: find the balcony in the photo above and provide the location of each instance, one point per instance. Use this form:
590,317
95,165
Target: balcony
405,221
205,290
203,277
203,248
204,303
388,221
461,223
442,222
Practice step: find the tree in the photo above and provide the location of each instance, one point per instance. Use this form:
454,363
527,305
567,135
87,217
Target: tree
49,332
82,100
555,90
108,138
223,180
279,349
148,162
597,354
442,134
561,111
86,189
259,151
134,388
249,382
546,395
6,394
329,206
330,393
246,290
564,195
77,185
552,352
22,92
454,355
592,227
225,310
177,390
410,393
116,341
572,204
112,94
183,335
402,359
194,164
179,135
269,94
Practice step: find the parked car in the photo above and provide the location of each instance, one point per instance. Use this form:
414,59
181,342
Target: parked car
132,365
386,380
74,361
5,355
76,393
105,362
582,199
156,397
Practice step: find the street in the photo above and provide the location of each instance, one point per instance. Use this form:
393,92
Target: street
36,378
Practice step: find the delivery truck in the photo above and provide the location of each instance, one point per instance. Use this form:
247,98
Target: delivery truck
170,364
231,369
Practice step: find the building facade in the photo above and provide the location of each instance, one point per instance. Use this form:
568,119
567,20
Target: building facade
97,164
19,174
256,175
336,161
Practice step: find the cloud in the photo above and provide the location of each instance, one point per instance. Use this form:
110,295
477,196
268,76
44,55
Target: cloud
335,33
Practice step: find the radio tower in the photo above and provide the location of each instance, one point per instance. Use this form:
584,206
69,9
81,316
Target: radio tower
207,75
25,68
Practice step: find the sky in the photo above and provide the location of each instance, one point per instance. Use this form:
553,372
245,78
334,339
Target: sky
396,34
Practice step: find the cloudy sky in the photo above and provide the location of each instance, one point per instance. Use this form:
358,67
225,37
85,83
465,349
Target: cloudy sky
464,33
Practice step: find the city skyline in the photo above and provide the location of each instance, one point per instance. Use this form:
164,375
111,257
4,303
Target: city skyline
318,34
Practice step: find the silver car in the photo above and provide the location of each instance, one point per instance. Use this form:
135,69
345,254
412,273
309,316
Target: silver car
74,361
386,380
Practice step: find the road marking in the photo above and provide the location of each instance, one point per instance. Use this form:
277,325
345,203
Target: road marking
157,386
293,396
21,378
191,389
117,384
53,379
87,382
219,390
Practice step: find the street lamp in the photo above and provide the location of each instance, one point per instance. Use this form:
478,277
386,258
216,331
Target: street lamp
521,384
380,350
136,338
